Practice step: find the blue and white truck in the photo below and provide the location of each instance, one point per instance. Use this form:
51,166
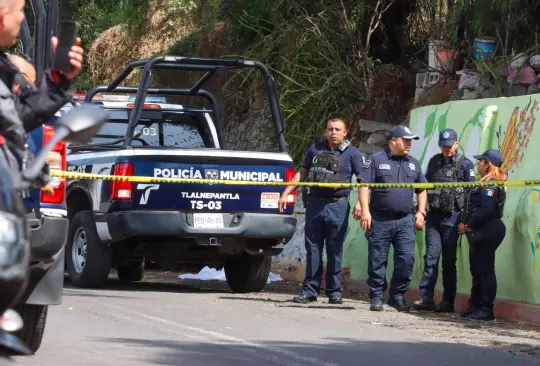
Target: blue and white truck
123,225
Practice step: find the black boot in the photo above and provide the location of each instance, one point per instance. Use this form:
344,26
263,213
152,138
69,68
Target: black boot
376,305
482,313
445,306
336,299
399,303
303,299
471,308
424,303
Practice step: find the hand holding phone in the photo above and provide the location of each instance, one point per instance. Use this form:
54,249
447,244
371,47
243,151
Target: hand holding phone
68,55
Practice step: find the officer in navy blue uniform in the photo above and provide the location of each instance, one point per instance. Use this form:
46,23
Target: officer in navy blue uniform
444,211
333,160
388,218
485,231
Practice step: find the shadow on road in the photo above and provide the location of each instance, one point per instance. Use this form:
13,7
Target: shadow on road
289,303
334,352
160,281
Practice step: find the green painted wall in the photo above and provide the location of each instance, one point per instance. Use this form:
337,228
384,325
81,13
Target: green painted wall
512,130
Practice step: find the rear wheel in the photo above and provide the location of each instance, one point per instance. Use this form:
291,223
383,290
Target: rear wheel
248,273
34,318
88,260
131,272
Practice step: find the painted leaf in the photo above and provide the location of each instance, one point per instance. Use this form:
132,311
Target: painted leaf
442,121
430,124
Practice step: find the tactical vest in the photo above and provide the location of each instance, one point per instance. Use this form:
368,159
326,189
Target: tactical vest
446,199
499,205
326,165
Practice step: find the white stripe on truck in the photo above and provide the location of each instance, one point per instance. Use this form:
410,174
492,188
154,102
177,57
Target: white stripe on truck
174,152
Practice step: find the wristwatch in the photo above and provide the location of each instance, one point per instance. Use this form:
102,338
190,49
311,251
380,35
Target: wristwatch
422,212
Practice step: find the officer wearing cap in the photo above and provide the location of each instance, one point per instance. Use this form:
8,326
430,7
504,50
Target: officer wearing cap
444,211
333,160
485,231
388,217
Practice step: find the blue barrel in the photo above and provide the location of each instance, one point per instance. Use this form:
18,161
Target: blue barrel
484,47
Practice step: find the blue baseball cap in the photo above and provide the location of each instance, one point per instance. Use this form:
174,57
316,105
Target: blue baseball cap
447,137
492,155
402,131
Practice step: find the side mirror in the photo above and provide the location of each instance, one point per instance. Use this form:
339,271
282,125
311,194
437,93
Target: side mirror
81,124
78,126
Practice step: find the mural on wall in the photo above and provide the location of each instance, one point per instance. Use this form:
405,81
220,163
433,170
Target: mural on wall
528,206
518,133
513,133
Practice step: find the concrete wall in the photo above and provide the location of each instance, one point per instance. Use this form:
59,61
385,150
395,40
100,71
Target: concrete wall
504,123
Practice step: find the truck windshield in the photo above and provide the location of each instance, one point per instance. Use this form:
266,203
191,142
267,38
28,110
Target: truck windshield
161,129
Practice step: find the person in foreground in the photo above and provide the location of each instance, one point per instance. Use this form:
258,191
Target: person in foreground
388,219
24,81
485,231
333,160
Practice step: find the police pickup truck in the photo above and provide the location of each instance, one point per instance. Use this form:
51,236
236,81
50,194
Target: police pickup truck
123,225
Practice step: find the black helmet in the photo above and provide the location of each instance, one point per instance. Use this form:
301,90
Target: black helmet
14,243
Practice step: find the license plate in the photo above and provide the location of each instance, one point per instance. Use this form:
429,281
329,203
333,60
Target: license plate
208,221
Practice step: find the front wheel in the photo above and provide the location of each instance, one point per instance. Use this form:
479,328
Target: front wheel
248,273
88,260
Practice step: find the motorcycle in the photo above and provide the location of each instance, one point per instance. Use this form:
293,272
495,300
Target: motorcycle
77,126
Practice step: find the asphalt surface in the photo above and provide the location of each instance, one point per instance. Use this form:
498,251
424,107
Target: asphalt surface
173,322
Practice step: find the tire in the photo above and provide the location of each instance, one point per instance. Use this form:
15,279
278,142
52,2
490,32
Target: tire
132,272
35,319
88,260
248,273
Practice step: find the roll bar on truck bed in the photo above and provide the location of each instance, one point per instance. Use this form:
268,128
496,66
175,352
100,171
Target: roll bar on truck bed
211,66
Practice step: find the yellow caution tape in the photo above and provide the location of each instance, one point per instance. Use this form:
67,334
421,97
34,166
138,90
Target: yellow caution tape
89,176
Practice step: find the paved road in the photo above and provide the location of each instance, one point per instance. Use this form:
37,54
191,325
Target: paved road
184,324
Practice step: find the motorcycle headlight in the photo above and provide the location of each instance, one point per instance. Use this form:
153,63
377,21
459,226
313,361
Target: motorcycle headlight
11,239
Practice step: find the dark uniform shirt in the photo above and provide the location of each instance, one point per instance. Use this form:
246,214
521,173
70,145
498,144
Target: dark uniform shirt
385,167
351,162
483,201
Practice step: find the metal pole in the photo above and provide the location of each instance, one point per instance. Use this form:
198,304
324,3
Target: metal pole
39,36
50,30
26,39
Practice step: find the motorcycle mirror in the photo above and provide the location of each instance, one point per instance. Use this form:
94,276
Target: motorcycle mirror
81,123
78,126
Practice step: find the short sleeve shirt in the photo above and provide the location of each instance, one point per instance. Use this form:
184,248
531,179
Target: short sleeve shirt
385,167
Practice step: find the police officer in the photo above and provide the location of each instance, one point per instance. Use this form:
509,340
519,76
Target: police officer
485,231
333,160
444,211
388,217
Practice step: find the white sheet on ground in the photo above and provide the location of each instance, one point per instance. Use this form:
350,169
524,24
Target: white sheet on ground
211,274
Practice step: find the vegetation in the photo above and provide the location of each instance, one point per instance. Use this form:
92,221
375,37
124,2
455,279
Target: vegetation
326,55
